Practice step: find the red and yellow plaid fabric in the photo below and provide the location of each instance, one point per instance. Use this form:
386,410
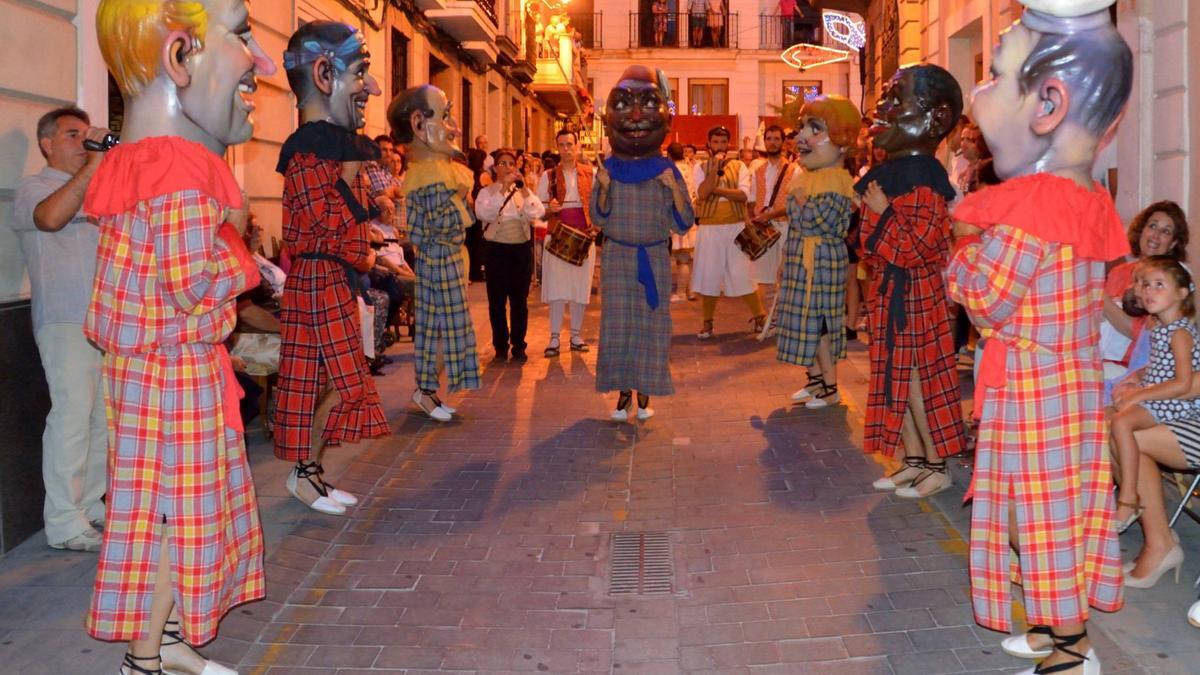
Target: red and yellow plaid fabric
163,301
915,238
1042,437
321,338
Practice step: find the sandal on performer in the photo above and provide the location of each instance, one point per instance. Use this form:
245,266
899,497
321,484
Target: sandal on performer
429,403
757,323
130,667
624,404
815,382
312,492
706,330
902,477
552,348
1132,518
824,397
174,646
1063,643
340,496
580,346
644,411
934,478
1019,646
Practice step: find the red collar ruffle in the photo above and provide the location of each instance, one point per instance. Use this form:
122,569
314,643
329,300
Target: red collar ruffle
1053,209
156,166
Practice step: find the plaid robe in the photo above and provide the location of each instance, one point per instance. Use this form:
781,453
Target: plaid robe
164,299
1042,437
817,226
635,340
907,245
322,338
438,217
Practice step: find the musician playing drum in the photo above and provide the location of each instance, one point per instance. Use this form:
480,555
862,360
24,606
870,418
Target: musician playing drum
564,282
768,204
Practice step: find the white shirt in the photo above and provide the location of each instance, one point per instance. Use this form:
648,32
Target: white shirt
510,224
571,196
391,251
773,171
61,264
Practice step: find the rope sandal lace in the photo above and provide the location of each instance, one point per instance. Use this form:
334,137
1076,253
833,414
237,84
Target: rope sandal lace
130,662
624,403
928,471
815,383
1062,643
311,472
912,465
825,396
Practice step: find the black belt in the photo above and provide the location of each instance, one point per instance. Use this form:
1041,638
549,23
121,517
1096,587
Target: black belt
352,277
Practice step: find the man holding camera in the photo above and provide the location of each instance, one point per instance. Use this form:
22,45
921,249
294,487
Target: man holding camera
60,251
721,267
507,209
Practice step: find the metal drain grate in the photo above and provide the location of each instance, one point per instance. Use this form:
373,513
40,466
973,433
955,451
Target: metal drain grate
641,564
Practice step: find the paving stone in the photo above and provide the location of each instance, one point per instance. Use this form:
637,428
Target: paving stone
482,545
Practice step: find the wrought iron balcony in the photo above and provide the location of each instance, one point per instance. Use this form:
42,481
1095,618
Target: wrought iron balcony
680,29
776,31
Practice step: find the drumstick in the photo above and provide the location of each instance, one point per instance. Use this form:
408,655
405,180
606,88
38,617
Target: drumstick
762,335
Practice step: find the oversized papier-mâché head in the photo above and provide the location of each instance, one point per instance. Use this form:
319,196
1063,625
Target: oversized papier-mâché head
185,67
422,118
1060,79
328,68
827,129
917,109
636,116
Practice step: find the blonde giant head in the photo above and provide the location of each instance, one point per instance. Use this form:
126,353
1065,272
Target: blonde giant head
132,35
841,117
187,68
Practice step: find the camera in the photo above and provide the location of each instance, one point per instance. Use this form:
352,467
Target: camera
104,145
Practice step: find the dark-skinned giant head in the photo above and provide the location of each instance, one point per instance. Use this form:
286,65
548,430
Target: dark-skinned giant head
328,68
636,116
1059,83
917,109
187,67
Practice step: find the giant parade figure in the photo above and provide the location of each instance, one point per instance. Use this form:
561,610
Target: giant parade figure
1029,267
437,188
637,199
182,542
326,396
913,400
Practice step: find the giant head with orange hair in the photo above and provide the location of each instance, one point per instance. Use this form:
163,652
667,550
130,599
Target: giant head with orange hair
185,67
827,131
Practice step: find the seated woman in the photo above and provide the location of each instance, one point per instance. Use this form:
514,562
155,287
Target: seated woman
1159,229
1172,446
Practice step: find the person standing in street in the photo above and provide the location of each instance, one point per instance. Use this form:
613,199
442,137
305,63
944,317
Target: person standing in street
60,252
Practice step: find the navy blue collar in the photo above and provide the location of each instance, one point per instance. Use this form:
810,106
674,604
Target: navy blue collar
637,170
904,174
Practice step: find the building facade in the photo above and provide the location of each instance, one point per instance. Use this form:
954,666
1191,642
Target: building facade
483,53
722,67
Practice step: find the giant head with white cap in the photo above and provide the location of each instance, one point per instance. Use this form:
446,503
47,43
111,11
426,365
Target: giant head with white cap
1059,82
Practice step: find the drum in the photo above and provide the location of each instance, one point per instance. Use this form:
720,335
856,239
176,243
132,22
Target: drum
569,244
755,240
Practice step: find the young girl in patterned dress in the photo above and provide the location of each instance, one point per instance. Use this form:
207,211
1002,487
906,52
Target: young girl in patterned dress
1165,290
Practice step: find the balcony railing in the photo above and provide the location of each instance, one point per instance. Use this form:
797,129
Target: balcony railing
780,32
680,29
489,8
590,27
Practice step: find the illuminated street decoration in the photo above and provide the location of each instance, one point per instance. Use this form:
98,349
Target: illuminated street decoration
804,56
845,30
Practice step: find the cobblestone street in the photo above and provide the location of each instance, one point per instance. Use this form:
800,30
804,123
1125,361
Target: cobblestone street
484,545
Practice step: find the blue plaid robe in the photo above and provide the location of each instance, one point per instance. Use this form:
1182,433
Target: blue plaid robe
635,339
443,321
805,313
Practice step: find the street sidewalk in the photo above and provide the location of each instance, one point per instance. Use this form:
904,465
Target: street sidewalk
484,545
